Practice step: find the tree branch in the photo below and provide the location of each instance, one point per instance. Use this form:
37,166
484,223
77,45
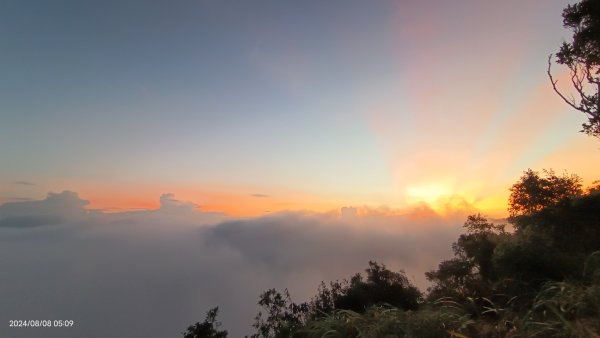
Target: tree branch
578,86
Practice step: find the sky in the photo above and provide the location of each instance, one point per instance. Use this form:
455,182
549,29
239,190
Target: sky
152,152
248,108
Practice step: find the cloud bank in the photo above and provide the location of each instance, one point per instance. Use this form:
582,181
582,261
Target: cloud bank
152,273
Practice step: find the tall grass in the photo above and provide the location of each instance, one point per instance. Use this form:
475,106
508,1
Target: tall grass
564,309
387,321
560,309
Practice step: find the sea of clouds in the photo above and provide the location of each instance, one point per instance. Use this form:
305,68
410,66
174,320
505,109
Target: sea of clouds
151,273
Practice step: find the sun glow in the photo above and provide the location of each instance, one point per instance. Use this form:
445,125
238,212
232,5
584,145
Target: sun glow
429,193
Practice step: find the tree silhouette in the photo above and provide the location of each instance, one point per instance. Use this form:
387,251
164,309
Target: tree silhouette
582,57
471,271
279,316
381,286
208,328
532,193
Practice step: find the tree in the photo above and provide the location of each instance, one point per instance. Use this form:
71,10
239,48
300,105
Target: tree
451,279
532,193
208,328
479,224
471,271
281,316
381,286
582,57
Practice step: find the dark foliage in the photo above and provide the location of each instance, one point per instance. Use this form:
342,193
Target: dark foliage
381,286
209,328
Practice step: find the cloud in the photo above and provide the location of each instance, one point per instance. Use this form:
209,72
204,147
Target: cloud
18,199
171,212
153,272
55,208
348,212
260,195
24,183
169,203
